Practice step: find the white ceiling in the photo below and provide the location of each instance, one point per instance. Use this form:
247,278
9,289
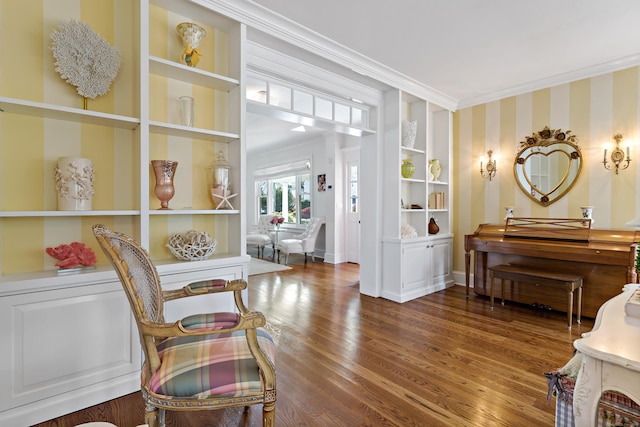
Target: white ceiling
473,51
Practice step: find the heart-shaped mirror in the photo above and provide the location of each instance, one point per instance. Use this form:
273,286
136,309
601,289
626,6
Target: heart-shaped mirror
547,165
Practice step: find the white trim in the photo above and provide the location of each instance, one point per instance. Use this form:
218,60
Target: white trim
262,19
284,169
572,76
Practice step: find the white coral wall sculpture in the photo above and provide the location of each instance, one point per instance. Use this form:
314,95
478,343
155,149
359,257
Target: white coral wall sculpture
84,59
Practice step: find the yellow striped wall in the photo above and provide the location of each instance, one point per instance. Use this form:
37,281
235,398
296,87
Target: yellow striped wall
593,109
30,146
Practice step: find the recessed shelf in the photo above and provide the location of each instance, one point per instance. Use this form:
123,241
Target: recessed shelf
19,214
50,111
413,150
177,71
194,212
191,132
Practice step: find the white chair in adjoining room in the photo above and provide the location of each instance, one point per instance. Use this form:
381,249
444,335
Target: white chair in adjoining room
304,243
263,235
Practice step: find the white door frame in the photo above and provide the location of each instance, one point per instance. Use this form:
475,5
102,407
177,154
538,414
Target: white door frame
352,219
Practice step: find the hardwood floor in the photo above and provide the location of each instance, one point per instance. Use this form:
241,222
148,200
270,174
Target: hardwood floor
349,360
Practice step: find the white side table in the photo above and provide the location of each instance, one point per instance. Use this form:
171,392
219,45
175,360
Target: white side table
610,358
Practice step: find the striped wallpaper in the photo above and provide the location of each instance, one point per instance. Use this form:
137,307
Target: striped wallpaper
593,109
30,146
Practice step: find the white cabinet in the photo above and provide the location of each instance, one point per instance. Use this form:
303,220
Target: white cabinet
416,262
415,267
69,341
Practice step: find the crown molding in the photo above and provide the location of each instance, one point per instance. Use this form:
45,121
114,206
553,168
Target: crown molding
262,19
559,79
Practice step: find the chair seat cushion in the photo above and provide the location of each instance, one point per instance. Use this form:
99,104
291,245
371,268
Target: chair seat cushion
258,239
290,245
226,366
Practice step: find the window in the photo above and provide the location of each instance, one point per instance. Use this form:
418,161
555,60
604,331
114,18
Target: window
279,192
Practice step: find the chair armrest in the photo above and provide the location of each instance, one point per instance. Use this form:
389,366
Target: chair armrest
205,287
250,320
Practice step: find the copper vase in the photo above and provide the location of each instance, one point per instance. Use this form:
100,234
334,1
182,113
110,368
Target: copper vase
433,227
164,171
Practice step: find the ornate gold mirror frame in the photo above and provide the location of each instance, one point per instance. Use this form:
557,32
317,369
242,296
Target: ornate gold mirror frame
547,165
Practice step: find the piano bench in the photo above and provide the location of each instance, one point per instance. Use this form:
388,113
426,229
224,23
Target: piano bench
514,273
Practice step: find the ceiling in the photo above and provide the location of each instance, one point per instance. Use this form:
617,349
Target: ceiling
475,51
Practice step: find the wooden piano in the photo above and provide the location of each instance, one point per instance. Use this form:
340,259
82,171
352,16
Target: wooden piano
605,258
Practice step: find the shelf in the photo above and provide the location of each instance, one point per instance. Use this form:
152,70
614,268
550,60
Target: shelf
414,180
191,132
413,210
50,111
438,210
438,183
20,214
177,71
194,212
412,150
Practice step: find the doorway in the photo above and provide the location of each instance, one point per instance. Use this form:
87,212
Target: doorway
352,176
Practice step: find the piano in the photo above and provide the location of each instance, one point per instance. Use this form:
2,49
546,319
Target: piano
605,258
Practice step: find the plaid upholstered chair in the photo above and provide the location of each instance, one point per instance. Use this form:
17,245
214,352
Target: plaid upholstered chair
204,361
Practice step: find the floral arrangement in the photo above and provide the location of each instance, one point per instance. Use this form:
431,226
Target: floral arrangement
73,255
277,220
84,59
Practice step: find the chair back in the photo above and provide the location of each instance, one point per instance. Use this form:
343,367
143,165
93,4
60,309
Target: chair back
136,271
264,224
310,234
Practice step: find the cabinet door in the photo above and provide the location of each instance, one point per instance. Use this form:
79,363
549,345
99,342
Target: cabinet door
54,342
414,267
440,268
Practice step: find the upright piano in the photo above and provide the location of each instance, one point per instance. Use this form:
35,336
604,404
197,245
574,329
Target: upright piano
605,258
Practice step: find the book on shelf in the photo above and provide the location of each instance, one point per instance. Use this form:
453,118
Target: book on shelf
632,306
437,200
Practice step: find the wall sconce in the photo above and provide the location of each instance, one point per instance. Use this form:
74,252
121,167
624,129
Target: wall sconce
491,167
617,156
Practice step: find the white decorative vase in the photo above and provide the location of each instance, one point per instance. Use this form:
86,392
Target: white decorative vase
587,213
74,183
435,168
508,212
409,133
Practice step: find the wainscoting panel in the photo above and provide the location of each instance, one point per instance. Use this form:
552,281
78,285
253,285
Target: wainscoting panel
62,340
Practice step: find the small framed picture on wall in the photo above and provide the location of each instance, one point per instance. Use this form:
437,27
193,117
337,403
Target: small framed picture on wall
322,182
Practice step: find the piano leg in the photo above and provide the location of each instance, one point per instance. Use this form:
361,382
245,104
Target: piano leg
467,270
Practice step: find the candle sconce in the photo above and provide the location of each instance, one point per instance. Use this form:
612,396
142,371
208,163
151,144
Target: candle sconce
617,156
491,167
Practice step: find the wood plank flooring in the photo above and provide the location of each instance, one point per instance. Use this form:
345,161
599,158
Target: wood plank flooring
350,360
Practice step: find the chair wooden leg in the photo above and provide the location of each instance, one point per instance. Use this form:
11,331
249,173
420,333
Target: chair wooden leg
269,414
151,415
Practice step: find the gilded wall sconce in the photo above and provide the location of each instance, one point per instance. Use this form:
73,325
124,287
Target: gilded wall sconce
491,168
617,156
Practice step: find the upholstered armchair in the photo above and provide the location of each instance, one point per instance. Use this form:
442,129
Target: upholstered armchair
263,235
304,243
204,361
